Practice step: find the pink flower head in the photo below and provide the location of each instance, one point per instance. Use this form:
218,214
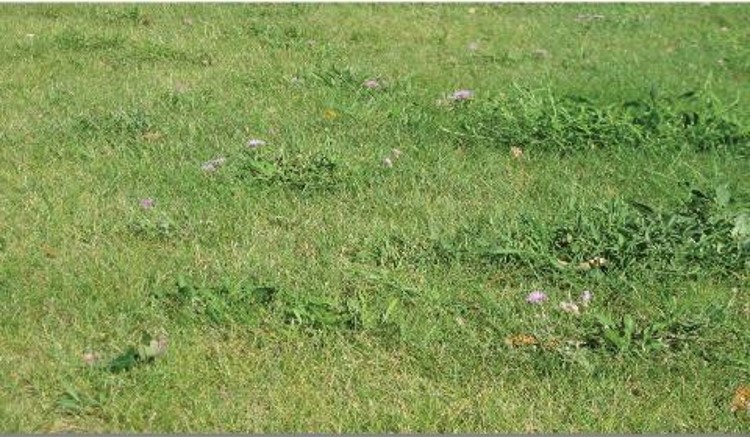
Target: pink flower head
536,297
254,143
147,203
371,84
461,95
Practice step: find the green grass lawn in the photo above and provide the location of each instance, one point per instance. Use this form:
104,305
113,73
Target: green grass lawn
455,218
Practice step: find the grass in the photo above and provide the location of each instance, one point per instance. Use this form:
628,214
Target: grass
323,282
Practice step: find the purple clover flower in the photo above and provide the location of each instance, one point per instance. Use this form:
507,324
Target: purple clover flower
147,203
462,95
255,143
536,297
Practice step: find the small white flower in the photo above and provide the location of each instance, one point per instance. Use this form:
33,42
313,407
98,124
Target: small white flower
586,297
213,164
462,95
254,143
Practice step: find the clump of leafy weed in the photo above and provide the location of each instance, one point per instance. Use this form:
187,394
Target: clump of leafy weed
295,171
337,77
114,126
706,234
587,324
702,123
376,304
154,228
316,313
698,236
251,303
624,335
702,235
574,123
78,41
673,330
132,16
147,351
225,304
75,401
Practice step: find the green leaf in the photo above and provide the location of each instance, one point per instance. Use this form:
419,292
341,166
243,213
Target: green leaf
741,229
183,287
722,195
604,320
642,207
629,326
70,400
146,337
264,295
618,341
391,308
125,361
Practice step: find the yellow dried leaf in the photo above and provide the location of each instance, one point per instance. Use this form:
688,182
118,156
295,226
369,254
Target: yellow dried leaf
519,340
741,399
49,252
594,263
152,136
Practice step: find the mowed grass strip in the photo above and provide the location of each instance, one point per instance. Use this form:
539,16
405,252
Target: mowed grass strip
374,218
